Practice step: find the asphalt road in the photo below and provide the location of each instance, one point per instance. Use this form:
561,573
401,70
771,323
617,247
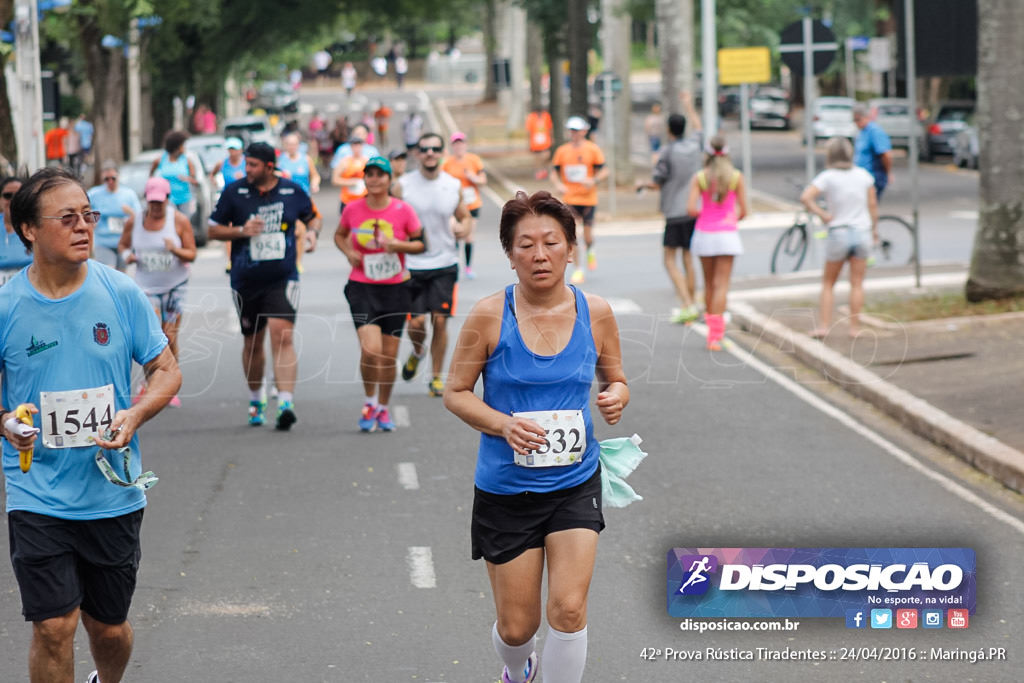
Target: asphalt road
325,554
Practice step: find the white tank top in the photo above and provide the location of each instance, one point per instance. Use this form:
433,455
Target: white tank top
158,271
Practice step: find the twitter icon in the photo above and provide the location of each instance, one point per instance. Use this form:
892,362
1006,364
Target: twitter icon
881,618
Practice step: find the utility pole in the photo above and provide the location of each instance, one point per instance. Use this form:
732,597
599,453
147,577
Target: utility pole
134,91
30,94
615,44
709,67
515,24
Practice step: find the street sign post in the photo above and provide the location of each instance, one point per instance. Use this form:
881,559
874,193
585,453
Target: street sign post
809,46
743,66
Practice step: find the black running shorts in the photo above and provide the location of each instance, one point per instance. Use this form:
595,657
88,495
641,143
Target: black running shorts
255,305
61,564
504,527
679,232
434,291
584,213
385,306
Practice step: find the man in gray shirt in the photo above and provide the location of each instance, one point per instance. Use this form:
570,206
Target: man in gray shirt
677,163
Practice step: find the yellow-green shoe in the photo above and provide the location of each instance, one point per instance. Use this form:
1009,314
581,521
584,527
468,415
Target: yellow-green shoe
436,387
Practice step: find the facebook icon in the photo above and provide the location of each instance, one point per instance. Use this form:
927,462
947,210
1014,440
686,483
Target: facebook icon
855,619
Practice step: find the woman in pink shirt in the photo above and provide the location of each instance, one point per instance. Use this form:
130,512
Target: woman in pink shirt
375,233
718,198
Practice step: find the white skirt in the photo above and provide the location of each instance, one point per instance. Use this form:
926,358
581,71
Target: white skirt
720,243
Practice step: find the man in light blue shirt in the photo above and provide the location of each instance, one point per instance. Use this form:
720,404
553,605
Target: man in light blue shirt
70,330
872,150
116,204
359,132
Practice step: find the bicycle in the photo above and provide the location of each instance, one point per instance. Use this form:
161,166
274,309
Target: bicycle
895,242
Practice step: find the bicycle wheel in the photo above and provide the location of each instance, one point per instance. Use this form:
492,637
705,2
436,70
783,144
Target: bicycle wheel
790,250
896,242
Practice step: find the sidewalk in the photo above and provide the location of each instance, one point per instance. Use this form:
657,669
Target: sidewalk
956,382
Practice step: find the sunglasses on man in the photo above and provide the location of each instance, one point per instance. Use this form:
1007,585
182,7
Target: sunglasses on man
435,149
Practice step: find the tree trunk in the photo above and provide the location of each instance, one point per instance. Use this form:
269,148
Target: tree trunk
106,71
615,27
578,43
651,49
535,62
556,93
997,263
490,49
8,144
675,45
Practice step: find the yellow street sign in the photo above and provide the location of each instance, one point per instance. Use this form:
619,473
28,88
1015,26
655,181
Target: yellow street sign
738,65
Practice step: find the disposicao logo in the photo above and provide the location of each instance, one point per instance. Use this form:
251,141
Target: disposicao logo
817,582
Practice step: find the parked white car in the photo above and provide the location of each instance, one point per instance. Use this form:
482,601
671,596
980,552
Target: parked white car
833,116
893,115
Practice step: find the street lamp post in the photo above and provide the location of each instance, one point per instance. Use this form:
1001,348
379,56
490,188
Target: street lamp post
30,129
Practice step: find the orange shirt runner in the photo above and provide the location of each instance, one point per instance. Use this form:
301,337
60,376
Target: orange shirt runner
353,168
576,164
54,141
457,168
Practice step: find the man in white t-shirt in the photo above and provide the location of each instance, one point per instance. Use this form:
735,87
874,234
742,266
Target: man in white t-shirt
435,196
852,221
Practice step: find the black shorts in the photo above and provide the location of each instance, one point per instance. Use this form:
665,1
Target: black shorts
475,213
385,306
434,291
255,305
679,232
62,564
584,213
504,527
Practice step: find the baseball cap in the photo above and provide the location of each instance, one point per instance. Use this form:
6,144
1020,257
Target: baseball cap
233,143
577,123
157,189
397,154
263,152
458,136
379,162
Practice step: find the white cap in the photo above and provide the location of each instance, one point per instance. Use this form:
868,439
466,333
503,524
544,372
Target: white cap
577,123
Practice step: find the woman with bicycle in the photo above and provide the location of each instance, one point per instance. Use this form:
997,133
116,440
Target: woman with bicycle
852,221
718,198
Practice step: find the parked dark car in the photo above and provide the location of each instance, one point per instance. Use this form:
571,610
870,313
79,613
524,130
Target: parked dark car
950,118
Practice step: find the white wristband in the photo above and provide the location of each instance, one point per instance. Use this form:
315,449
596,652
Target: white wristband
125,254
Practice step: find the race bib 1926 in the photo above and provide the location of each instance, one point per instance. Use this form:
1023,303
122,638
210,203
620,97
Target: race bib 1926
381,265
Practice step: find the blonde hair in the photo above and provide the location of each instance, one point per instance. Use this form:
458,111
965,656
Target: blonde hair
838,153
718,170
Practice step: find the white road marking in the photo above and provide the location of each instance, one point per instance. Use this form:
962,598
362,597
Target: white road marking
966,215
421,567
624,306
892,449
407,476
400,414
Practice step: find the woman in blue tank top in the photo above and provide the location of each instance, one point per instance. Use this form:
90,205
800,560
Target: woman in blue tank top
538,345
174,166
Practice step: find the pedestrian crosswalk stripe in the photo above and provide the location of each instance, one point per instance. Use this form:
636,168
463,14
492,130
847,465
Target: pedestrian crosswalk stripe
400,414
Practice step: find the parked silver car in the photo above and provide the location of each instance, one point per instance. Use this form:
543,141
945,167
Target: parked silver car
252,128
965,146
892,114
769,108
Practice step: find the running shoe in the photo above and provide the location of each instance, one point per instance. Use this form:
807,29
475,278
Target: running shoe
577,277
591,260
470,275
94,677
530,672
436,387
285,416
409,369
175,402
684,316
384,422
257,413
368,417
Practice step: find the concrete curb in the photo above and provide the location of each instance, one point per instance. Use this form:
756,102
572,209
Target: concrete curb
984,452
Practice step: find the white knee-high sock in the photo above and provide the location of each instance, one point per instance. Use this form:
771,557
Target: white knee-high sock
514,656
565,655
